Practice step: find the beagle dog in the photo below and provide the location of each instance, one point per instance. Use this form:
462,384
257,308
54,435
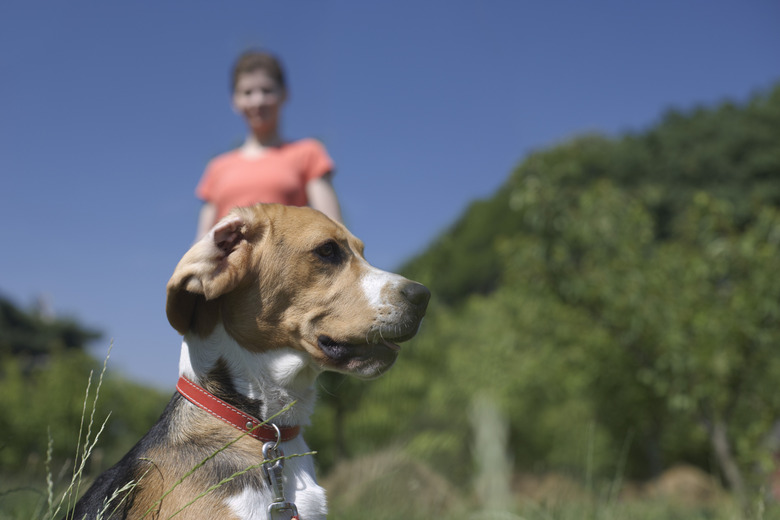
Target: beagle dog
269,298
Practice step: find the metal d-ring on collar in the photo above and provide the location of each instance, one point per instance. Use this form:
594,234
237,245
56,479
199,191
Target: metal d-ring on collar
278,436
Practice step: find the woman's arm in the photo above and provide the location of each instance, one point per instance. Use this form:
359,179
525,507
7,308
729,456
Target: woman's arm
323,197
208,213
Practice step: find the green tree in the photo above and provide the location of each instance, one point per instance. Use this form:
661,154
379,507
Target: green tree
44,372
33,335
617,298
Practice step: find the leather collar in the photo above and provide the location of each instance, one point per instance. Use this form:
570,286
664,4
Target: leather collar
260,430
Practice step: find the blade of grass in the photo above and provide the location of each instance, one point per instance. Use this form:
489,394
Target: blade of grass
209,457
234,476
71,493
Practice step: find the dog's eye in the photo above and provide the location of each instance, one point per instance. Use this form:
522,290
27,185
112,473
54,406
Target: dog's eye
328,251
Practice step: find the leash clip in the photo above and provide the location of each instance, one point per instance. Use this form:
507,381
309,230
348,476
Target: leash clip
282,511
279,509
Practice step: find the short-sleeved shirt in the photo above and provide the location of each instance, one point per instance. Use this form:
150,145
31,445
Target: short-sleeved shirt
278,175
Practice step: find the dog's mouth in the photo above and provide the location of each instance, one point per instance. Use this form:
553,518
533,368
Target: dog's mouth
363,359
339,351
336,349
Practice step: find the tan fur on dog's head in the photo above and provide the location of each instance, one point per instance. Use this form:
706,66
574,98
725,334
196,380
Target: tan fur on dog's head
279,276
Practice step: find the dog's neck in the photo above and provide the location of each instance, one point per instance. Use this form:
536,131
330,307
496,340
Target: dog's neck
265,383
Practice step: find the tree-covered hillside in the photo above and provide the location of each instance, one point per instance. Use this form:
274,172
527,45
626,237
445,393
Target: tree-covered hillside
618,298
731,152
44,373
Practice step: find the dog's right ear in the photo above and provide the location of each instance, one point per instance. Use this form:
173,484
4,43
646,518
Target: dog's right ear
213,266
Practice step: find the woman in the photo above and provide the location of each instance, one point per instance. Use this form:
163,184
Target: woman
265,168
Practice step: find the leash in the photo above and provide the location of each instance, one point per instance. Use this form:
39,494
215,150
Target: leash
271,436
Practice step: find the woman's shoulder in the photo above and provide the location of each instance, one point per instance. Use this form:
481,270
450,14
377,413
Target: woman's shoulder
306,145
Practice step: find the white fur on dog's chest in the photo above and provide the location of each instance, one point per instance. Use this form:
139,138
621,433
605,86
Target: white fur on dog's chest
277,378
300,488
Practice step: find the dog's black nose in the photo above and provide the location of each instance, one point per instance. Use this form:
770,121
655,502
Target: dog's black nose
416,294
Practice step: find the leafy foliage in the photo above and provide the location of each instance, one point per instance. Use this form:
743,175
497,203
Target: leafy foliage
617,298
44,370
33,335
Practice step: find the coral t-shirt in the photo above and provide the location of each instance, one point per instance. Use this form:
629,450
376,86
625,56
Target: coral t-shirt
278,175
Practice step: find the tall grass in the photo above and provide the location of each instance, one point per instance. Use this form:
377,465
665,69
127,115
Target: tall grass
53,503
392,485
30,501
84,449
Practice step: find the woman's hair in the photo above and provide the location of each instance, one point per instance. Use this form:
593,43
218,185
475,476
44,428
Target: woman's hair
252,61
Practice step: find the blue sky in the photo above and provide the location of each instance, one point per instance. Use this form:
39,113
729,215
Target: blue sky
109,112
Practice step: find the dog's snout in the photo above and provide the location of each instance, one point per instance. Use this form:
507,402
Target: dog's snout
416,294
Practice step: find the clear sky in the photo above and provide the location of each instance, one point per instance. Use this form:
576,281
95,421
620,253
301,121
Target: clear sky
109,112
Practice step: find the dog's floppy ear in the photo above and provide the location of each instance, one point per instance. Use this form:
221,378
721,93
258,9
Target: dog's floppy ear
214,265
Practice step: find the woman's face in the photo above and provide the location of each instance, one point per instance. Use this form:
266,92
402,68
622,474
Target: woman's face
259,98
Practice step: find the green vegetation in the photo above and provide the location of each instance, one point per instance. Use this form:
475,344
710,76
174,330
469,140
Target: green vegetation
45,412
617,298
609,315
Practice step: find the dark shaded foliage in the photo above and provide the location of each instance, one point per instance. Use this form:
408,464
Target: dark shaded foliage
32,334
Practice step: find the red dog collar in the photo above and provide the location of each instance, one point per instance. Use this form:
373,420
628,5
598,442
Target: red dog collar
234,417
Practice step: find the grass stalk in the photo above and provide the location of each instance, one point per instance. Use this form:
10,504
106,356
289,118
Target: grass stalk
83,452
211,456
234,476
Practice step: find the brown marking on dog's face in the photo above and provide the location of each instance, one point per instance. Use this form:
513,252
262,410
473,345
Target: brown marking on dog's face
279,276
